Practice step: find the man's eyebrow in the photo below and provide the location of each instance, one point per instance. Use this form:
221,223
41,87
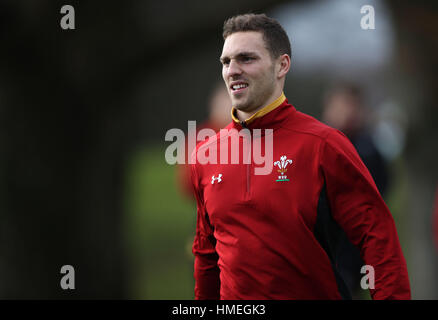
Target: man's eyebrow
245,54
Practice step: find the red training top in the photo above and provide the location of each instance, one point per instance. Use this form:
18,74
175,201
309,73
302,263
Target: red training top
274,236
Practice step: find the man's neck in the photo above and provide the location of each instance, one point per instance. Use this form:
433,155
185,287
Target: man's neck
244,115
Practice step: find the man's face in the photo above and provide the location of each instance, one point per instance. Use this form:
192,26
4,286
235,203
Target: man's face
343,112
248,71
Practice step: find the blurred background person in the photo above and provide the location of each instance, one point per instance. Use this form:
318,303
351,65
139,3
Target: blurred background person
343,109
219,116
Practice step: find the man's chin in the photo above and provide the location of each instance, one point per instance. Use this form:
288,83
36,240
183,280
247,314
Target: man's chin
241,106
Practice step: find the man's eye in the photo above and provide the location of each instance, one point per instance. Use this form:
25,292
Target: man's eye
247,59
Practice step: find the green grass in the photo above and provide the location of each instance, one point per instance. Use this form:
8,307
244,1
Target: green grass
159,226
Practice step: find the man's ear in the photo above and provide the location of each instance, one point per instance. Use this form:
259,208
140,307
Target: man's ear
284,65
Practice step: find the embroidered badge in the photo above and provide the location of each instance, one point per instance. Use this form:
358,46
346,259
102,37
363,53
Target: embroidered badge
282,164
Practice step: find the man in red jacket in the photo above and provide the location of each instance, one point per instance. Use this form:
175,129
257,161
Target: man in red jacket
275,235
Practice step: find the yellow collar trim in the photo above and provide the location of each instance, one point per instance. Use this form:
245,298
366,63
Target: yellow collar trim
277,102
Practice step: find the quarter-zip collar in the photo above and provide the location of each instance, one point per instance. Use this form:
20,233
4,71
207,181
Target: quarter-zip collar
269,116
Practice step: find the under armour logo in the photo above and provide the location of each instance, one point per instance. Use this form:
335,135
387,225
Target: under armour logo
219,178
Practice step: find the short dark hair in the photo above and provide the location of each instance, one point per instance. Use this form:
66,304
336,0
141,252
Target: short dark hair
276,39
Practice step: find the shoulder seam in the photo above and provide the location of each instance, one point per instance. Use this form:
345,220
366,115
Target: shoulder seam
321,136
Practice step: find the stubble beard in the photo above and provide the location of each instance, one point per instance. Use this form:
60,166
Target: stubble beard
256,99
257,96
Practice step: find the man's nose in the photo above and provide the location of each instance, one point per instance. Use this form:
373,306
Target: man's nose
233,69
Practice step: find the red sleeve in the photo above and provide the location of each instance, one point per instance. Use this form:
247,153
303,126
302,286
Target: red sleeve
359,209
206,270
